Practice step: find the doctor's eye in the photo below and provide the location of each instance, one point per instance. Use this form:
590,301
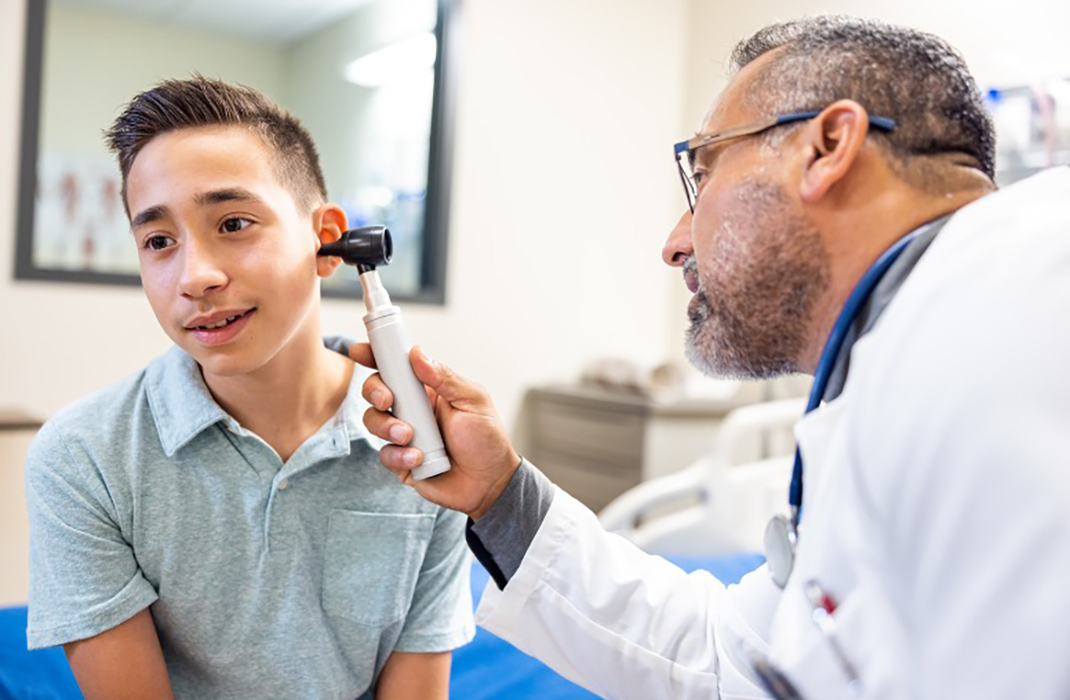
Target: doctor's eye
158,242
235,224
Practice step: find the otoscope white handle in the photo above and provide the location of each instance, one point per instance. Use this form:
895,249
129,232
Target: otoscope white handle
390,345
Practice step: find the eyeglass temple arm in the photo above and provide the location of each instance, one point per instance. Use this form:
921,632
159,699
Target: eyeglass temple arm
882,123
886,124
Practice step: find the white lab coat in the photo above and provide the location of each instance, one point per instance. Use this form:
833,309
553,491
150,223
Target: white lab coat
937,508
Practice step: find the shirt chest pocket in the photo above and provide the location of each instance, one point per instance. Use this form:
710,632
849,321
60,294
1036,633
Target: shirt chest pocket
859,651
371,564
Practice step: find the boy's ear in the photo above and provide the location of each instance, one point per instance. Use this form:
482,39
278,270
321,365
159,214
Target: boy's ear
329,222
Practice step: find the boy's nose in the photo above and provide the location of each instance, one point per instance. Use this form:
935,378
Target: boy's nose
201,273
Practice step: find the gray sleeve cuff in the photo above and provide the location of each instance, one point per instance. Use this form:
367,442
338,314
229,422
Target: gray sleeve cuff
505,532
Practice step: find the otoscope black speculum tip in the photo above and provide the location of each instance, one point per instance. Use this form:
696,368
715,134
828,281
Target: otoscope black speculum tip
366,247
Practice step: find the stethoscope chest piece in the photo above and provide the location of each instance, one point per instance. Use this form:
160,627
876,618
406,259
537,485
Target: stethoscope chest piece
780,549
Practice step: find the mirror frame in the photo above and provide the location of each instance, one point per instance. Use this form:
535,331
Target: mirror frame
434,244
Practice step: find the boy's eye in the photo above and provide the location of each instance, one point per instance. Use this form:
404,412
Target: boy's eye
157,242
235,224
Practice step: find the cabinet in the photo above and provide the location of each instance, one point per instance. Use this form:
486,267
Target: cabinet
596,444
16,433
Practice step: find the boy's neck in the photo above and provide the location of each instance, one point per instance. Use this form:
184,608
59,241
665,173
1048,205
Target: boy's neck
287,400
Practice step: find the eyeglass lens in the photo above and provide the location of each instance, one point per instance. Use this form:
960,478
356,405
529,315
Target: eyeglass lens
683,164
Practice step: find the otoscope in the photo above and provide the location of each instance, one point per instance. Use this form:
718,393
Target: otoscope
366,248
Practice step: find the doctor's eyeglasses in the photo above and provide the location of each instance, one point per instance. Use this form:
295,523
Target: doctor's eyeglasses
685,150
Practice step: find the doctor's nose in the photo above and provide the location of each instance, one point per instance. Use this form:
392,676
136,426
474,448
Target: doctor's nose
201,272
678,247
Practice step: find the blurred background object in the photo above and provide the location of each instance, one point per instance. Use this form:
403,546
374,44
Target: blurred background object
1032,127
17,429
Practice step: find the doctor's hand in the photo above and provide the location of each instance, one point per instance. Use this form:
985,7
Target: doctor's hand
482,460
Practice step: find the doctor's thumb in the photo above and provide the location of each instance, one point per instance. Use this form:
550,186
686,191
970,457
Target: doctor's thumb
449,385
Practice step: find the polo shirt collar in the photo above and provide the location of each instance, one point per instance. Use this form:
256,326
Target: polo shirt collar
180,401
183,407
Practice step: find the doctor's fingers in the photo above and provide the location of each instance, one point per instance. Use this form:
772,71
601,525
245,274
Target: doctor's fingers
386,426
377,393
457,391
361,353
400,460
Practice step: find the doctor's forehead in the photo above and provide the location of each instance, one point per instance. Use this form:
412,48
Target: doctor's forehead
743,100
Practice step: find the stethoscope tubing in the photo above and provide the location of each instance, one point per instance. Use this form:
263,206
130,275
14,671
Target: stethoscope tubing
858,298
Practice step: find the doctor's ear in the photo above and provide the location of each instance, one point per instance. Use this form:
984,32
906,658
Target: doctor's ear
329,222
833,140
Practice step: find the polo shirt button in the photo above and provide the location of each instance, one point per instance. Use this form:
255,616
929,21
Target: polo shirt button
283,484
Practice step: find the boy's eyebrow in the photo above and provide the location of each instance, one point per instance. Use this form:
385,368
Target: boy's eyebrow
204,199
229,194
149,216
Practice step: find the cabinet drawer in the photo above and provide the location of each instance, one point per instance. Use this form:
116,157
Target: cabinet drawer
592,434
594,484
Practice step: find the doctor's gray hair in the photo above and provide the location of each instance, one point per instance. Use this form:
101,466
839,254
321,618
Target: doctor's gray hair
917,79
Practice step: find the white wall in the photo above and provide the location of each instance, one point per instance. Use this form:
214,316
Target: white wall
563,190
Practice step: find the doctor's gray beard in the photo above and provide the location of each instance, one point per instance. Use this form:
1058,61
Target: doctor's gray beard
754,309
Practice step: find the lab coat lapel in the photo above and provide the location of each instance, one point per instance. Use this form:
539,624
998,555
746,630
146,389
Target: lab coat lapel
815,435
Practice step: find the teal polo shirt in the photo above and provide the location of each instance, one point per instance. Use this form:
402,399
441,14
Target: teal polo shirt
265,579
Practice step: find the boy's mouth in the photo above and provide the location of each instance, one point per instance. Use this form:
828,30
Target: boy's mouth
219,328
225,322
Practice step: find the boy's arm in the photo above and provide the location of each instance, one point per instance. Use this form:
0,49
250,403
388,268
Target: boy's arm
412,676
126,663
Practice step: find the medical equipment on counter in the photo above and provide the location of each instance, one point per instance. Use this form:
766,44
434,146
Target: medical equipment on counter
782,533
366,248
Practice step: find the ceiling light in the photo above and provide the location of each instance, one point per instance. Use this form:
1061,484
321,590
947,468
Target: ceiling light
411,56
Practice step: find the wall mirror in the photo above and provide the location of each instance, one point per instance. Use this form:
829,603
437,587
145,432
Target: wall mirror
370,79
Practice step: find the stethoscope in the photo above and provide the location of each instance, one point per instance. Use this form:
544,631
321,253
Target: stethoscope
782,533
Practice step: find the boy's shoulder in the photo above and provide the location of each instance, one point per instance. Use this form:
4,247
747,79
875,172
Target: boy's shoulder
89,413
119,414
113,403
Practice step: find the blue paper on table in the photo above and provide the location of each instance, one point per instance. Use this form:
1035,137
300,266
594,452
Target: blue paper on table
31,675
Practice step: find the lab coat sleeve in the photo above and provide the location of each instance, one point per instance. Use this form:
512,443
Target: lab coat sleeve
626,624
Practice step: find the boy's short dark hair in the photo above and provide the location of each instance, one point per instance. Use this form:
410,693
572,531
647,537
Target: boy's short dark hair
200,101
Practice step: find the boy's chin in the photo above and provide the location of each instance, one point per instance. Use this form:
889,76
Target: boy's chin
224,361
